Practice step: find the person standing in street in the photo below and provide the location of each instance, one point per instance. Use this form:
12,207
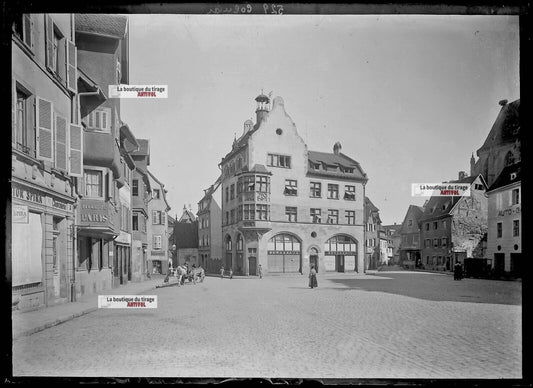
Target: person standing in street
260,270
222,272
230,273
312,277
457,271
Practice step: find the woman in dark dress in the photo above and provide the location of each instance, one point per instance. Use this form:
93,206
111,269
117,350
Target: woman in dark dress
312,277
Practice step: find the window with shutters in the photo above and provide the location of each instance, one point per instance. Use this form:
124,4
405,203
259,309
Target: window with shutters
23,29
93,183
60,136
99,120
23,136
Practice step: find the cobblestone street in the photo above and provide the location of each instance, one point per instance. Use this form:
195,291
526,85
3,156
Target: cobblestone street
383,325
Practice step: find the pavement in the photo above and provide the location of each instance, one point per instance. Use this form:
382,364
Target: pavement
30,322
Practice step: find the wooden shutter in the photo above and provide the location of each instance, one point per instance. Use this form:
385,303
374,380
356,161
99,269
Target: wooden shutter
61,142
76,150
72,72
28,30
45,136
49,33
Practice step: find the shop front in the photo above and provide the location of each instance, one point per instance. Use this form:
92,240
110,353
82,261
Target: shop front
284,254
41,246
340,254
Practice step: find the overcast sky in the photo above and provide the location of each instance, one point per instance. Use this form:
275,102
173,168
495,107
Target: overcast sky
409,97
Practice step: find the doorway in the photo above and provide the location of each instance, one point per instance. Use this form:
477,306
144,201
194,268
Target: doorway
313,260
339,263
252,265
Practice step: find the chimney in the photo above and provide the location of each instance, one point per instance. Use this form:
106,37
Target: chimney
462,175
337,148
502,102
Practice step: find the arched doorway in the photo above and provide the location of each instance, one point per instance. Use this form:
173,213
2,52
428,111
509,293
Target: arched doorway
340,254
313,258
229,257
284,254
240,254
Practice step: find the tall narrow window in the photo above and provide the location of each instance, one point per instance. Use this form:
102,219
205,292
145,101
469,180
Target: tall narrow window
93,183
350,217
499,229
135,188
515,196
516,228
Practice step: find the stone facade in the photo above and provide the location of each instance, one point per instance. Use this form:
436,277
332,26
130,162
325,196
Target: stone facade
285,207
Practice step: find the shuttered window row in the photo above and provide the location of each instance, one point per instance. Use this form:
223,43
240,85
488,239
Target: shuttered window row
58,141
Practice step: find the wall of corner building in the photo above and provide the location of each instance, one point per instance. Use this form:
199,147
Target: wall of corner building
470,221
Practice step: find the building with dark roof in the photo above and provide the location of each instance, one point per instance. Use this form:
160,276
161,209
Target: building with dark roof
502,145
393,242
286,207
504,240
209,219
453,228
373,256
410,237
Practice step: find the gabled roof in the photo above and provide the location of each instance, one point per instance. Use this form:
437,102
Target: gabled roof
438,206
506,127
371,210
510,174
332,159
113,26
187,216
162,188
416,212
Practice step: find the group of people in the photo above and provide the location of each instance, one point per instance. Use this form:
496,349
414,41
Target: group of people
230,272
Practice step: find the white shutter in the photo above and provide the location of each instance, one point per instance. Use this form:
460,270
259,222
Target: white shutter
72,72
28,30
76,150
61,142
45,144
49,33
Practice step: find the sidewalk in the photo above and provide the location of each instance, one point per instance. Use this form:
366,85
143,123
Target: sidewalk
27,323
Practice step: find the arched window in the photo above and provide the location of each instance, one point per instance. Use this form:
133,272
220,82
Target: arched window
284,242
340,243
509,158
228,244
240,243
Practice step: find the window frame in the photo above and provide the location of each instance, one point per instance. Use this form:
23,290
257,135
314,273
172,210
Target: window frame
349,192
291,213
313,213
334,186
313,189
101,172
291,187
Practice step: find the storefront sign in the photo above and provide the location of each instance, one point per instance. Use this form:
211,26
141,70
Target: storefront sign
20,214
345,253
95,212
283,252
28,195
510,211
158,253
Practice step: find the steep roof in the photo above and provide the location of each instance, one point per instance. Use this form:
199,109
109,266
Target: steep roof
416,212
338,160
442,205
164,191
114,26
506,127
510,174
187,216
371,210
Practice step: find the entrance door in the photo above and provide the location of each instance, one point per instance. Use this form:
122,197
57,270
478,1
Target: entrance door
499,263
252,265
339,263
516,264
313,260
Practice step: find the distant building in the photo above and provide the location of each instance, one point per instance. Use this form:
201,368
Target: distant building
394,239
185,238
502,145
453,227
157,228
286,207
373,227
210,228
504,245
141,194
410,237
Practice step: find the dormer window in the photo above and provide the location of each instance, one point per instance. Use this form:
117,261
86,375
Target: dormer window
513,176
314,166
